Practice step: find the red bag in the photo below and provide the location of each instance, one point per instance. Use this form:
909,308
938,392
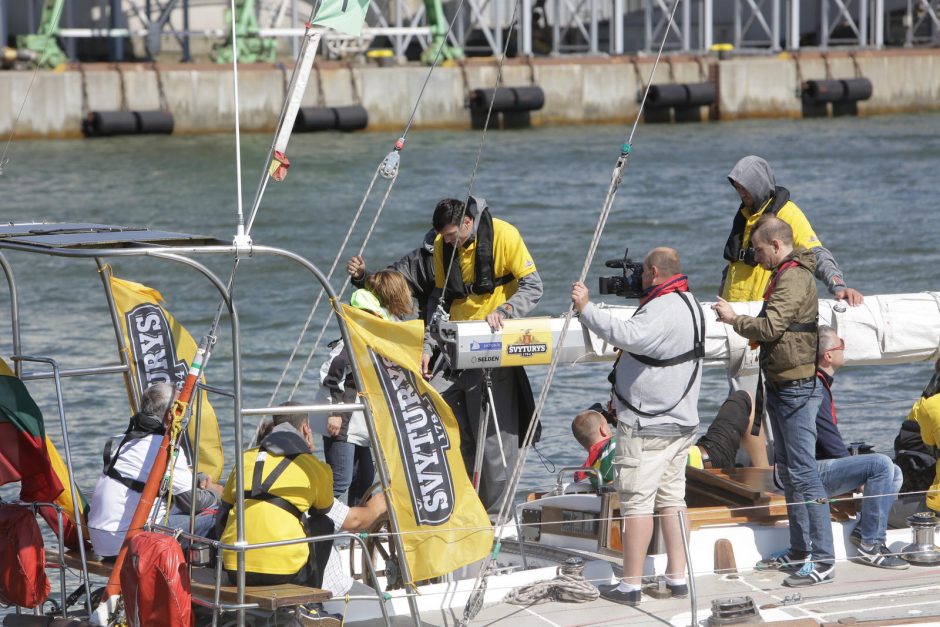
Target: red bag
155,583
23,578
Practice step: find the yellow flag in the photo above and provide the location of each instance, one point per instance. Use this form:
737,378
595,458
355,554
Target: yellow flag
442,521
160,350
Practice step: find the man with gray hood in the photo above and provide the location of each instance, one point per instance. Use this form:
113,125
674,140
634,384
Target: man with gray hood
485,272
744,279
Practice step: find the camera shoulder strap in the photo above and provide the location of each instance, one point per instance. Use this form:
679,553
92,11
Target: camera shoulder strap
697,353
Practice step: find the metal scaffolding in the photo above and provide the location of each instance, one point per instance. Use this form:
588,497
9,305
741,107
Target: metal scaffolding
555,27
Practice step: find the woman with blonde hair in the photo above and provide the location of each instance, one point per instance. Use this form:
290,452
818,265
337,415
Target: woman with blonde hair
345,438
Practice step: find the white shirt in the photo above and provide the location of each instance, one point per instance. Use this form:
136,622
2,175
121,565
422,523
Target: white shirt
334,578
113,504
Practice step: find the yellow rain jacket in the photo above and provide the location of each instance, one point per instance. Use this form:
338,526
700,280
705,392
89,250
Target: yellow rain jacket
926,412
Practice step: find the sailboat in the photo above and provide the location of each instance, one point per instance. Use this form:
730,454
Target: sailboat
573,527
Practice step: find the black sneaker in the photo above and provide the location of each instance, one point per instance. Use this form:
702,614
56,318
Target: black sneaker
783,561
612,594
856,536
880,557
810,575
678,590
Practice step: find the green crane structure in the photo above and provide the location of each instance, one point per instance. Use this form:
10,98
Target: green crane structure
252,47
43,42
437,22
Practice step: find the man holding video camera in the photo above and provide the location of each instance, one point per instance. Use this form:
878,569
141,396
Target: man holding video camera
656,387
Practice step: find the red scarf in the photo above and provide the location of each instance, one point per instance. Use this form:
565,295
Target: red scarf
675,283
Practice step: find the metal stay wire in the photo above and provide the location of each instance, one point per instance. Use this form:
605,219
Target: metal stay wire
389,169
475,600
29,88
476,164
342,291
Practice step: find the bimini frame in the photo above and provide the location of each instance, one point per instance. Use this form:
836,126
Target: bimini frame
79,241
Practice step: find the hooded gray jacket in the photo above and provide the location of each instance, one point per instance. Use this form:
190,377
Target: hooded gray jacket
755,175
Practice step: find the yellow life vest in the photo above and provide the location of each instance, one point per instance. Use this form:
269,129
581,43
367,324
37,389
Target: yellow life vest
510,256
744,282
305,483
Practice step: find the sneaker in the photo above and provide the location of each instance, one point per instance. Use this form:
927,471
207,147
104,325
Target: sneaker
612,594
810,575
856,536
314,615
879,556
679,590
782,561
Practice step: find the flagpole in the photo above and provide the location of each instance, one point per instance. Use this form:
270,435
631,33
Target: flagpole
133,394
381,466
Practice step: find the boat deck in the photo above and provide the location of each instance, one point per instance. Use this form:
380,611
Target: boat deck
859,595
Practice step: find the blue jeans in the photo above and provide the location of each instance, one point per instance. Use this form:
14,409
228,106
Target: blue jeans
204,523
845,475
353,472
792,409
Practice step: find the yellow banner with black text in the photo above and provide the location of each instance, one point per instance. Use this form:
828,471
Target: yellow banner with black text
442,522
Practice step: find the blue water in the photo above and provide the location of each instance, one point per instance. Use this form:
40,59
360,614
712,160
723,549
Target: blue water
867,186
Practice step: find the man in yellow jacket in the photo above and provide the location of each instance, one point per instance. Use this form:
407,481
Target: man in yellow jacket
744,279
926,412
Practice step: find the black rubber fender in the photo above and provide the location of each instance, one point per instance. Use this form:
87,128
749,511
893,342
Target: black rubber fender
154,122
503,99
530,98
701,94
311,119
670,95
110,123
824,91
857,88
351,118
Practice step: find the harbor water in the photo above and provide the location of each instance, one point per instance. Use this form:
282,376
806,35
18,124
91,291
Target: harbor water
866,184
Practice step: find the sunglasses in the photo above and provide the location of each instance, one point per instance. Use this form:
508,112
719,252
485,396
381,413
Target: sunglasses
840,347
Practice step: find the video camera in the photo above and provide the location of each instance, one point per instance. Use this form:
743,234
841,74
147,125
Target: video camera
630,285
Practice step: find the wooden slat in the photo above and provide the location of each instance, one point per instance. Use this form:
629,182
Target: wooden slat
267,597
202,586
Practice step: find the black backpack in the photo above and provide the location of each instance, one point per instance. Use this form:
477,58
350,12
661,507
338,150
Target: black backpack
915,459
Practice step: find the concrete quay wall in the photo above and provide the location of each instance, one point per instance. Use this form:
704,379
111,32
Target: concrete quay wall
577,91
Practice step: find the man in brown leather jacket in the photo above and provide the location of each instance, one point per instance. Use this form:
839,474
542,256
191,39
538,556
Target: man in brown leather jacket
786,332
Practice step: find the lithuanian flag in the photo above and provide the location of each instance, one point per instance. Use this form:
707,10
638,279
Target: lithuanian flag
28,456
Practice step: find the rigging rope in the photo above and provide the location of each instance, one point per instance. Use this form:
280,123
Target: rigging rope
615,179
316,304
569,586
342,291
29,88
476,164
389,170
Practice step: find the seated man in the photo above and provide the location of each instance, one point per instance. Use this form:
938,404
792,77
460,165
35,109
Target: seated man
842,473
289,495
716,449
926,415
127,466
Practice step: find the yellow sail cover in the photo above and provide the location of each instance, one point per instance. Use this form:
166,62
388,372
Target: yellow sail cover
160,350
442,521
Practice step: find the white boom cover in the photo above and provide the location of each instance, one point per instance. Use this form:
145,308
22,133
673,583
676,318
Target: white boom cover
888,329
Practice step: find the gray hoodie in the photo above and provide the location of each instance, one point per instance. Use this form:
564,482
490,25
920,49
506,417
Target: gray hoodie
755,175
